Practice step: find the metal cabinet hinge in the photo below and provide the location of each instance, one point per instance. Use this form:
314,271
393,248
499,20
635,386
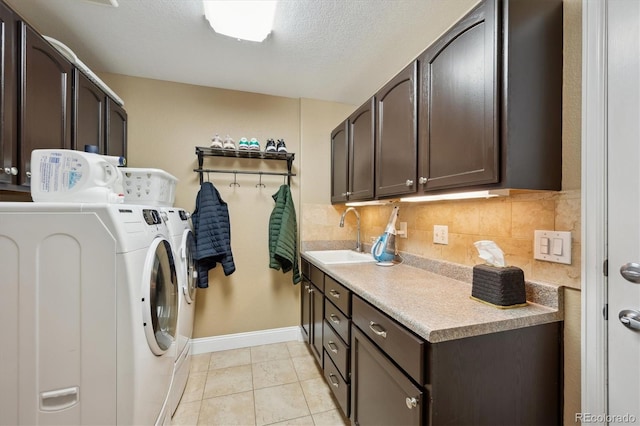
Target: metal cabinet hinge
605,312
605,268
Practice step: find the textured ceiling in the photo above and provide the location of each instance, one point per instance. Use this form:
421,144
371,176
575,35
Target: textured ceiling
335,50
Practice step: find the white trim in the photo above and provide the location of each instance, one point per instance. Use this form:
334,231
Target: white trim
594,206
243,340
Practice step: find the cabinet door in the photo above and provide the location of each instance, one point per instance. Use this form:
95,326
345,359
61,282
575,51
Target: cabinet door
361,152
116,137
339,163
317,315
305,309
458,105
89,113
8,139
45,98
380,392
396,135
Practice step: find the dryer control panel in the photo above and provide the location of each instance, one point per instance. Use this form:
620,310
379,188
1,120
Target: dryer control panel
152,217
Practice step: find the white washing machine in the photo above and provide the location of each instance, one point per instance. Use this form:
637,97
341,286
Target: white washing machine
184,243
89,314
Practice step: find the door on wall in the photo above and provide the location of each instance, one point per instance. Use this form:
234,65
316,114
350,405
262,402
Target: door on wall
623,136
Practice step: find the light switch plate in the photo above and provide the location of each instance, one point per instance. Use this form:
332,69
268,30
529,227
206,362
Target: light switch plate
552,246
441,234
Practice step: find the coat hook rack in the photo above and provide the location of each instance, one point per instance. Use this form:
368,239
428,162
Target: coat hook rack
202,152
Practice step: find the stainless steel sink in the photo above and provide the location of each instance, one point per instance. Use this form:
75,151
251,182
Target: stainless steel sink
334,257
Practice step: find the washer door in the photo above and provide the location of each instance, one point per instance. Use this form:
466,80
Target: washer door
160,297
191,279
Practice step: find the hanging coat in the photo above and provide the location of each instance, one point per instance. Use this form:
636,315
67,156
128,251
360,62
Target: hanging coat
212,230
283,234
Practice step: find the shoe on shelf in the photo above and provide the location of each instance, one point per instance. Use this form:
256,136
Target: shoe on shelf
216,142
243,144
271,146
254,145
228,143
282,148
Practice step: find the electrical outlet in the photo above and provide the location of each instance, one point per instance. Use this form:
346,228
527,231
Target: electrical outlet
441,234
402,231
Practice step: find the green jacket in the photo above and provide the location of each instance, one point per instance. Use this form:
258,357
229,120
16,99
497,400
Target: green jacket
283,234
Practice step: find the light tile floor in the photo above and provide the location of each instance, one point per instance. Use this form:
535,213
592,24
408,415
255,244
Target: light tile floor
277,384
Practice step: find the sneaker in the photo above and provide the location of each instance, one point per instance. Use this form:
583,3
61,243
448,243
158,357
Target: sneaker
254,144
229,143
216,142
243,144
271,146
282,148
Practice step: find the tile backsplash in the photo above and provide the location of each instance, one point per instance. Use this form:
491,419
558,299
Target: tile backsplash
509,221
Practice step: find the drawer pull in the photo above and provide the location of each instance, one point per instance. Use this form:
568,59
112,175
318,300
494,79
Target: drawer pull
377,328
334,380
411,403
332,347
334,293
334,319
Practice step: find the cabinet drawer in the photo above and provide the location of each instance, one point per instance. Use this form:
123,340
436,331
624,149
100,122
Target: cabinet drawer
317,277
338,294
400,344
340,389
337,320
305,267
337,350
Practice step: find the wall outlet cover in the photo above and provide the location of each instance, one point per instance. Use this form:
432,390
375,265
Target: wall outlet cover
440,234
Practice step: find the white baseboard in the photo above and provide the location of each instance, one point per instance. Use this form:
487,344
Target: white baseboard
242,340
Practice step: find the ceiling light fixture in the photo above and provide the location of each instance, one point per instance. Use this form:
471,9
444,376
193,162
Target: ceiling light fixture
242,19
458,196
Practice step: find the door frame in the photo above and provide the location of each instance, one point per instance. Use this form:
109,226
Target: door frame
594,395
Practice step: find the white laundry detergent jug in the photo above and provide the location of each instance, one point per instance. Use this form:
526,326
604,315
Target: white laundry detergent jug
63,175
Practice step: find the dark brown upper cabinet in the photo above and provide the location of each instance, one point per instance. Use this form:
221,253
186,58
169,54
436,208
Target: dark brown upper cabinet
89,113
340,163
361,152
8,92
352,156
45,99
396,135
116,137
491,100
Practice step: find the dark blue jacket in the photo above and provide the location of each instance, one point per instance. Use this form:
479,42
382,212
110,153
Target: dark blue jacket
213,233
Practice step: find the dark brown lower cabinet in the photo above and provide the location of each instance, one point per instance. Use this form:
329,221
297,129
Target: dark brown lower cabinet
381,394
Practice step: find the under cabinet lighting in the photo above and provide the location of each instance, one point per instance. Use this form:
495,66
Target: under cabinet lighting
458,196
368,203
242,19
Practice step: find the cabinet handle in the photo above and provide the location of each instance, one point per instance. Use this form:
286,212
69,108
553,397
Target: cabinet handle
332,347
334,319
28,174
334,293
377,328
346,194
306,287
409,182
11,171
422,180
334,380
310,291
411,403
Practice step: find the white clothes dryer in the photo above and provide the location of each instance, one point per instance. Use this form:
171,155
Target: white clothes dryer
183,241
89,314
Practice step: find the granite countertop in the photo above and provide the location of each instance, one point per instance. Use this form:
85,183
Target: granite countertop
436,307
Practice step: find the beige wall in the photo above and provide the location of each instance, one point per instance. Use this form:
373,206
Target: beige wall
166,121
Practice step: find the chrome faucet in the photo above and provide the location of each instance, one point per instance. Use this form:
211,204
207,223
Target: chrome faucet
352,209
